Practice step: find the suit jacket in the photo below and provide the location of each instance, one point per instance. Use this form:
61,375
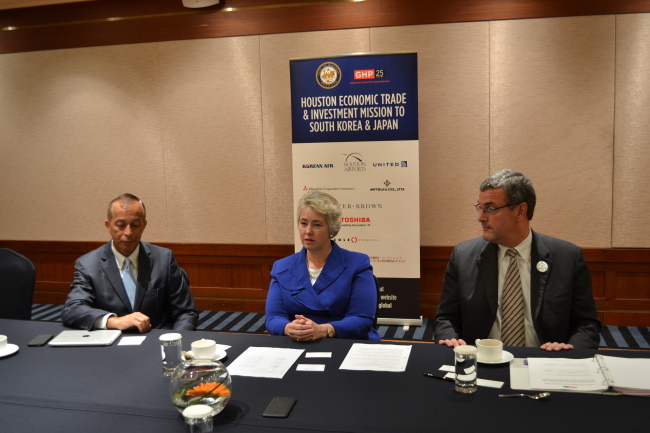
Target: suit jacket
345,294
162,291
563,307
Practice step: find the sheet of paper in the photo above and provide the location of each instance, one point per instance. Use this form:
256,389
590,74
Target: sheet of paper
377,357
271,362
565,374
310,367
318,355
135,340
627,373
479,382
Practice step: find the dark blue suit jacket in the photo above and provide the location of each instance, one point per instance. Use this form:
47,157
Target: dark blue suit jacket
162,291
344,295
563,307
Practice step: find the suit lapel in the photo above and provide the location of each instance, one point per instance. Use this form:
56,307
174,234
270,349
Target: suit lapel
489,273
109,267
334,267
145,263
538,280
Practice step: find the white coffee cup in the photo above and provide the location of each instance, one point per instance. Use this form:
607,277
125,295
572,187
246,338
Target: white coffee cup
204,349
489,350
3,342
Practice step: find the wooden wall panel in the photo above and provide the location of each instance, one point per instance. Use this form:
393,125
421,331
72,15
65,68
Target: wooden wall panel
236,277
118,22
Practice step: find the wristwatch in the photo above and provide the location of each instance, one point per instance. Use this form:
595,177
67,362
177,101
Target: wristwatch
330,331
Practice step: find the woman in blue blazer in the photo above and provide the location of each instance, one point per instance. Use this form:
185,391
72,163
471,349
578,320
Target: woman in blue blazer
323,290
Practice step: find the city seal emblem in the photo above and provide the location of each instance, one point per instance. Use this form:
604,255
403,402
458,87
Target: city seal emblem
328,75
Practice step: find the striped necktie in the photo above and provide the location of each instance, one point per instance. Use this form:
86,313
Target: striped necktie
512,310
129,280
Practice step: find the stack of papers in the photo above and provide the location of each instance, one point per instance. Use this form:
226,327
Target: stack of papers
597,374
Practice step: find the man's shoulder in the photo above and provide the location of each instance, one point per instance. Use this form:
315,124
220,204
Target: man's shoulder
476,244
154,249
96,253
554,243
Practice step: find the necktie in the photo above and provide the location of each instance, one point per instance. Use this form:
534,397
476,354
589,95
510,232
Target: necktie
129,280
512,310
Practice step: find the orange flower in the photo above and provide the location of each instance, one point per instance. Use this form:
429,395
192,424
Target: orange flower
209,389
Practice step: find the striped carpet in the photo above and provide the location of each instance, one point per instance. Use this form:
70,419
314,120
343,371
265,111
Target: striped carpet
611,337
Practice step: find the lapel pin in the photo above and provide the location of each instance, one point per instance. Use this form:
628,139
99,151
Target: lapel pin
542,266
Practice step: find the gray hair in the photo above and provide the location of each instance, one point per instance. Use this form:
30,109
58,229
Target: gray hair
518,188
324,204
123,199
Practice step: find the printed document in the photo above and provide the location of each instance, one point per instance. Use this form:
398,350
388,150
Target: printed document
271,362
566,374
377,357
600,373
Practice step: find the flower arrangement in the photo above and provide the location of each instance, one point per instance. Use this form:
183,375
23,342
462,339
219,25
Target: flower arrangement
201,381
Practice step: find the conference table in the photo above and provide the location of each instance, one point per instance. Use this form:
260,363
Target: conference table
122,388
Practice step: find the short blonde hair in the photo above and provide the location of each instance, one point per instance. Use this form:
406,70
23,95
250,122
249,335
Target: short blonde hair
324,204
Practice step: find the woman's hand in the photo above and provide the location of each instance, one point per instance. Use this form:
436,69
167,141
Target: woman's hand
304,329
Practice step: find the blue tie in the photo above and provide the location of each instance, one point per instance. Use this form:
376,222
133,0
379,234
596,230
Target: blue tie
129,281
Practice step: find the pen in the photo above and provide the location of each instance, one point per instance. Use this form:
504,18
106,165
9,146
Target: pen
435,376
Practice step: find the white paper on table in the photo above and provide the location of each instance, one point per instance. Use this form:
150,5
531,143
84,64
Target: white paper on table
377,357
310,367
271,362
135,340
565,374
318,355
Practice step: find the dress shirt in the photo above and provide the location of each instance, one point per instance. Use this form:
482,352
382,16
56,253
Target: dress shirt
523,263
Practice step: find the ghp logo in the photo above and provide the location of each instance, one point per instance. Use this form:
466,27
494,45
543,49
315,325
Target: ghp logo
328,75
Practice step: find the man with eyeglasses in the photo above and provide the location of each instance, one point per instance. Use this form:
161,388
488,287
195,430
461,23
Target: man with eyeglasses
513,284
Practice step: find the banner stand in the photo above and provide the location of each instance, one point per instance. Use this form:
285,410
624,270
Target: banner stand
355,136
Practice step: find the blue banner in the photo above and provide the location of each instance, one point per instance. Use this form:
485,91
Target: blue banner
355,98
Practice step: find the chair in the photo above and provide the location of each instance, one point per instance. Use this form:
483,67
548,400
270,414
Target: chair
374,322
17,280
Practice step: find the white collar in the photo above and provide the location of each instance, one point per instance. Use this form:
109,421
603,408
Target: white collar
524,248
120,258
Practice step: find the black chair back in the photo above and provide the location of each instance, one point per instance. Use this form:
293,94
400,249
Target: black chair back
374,322
17,280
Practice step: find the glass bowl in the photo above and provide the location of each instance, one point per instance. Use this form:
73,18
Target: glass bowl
200,381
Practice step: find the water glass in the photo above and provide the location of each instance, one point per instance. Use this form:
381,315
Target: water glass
465,368
171,352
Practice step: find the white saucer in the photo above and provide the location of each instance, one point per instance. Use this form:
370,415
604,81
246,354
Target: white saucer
218,356
505,357
10,349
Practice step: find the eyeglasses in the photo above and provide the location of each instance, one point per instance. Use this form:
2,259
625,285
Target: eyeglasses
489,210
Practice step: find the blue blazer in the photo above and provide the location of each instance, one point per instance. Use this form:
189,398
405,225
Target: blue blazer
562,305
345,294
162,291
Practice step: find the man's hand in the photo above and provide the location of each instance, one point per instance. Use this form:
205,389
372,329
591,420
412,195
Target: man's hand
453,342
134,320
555,347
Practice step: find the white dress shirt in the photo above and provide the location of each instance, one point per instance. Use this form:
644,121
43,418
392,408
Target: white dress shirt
523,263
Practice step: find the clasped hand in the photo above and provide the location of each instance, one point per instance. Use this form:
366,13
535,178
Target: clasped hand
134,320
302,329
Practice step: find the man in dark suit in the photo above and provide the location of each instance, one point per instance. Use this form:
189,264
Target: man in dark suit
128,284
556,309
